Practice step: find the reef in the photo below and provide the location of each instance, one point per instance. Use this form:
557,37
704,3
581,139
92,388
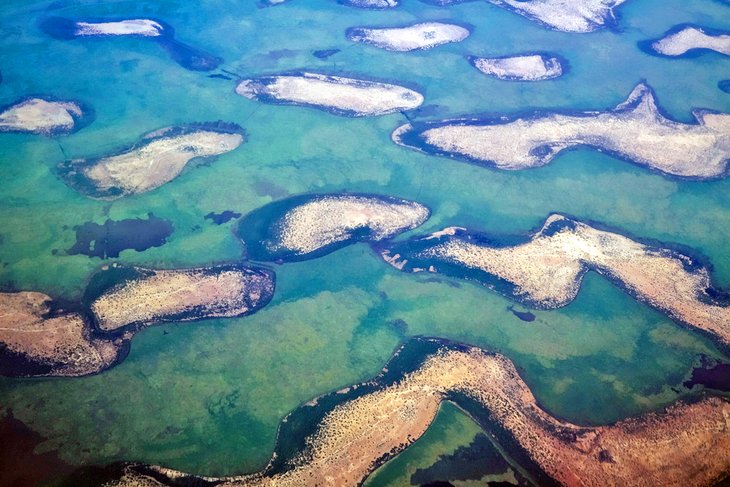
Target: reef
578,17
39,339
371,4
162,33
121,297
547,270
409,38
636,130
308,226
686,39
340,438
158,159
41,116
526,67
341,96
113,236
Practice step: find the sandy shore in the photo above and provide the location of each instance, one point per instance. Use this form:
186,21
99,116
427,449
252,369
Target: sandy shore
39,116
547,271
149,165
531,67
635,130
51,344
183,295
690,38
331,219
687,444
342,96
419,36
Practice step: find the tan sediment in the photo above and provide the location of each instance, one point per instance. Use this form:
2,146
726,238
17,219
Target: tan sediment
687,444
137,27
533,67
691,38
418,36
61,341
361,98
40,116
635,130
331,219
161,294
547,270
156,162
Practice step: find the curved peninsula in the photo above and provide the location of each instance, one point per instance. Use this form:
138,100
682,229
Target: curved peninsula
525,67
636,130
340,438
308,226
38,339
121,297
40,116
686,39
341,96
565,16
425,35
547,270
158,159
183,54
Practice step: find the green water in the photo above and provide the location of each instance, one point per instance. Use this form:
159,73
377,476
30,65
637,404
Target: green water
207,397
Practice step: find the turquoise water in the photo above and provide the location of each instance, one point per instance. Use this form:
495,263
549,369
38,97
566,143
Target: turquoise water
207,397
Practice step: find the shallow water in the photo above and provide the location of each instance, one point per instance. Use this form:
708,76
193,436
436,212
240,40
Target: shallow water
207,397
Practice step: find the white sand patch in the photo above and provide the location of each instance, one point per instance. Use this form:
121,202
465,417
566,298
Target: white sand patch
419,36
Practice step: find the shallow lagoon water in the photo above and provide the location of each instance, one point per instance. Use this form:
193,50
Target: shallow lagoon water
333,320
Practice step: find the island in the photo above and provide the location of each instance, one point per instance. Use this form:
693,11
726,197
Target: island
687,39
37,338
122,297
156,160
308,226
636,130
341,96
578,17
42,116
525,67
546,271
342,437
424,35
157,30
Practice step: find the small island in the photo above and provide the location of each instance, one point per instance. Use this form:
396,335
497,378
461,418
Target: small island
636,130
156,160
684,40
308,226
371,4
335,94
162,33
547,270
342,437
38,339
132,297
40,116
526,67
577,17
422,36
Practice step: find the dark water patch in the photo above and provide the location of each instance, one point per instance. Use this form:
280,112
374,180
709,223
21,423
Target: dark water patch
472,462
267,188
710,374
17,364
400,326
219,76
325,53
110,238
724,85
277,54
222,217
20,466
187,56
523,315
